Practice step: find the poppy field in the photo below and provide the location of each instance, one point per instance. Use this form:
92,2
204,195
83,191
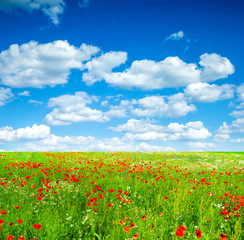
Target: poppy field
122,195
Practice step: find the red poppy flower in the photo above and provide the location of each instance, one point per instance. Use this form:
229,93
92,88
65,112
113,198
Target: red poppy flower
21,238
143,218
16,207
1,222
39,226
10,237
11,224
0,228
126,229
122,222
198,233
160,214
223,236
180,231
135,236
19,221
110,205
132,225
3,212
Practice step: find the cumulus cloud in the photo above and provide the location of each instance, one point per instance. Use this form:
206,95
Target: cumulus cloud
5,95
215,67
175,36
240,92
51,8
237,114
221,137
238,140
35,102
81,143
201,145
137,126
237,126
149,75
145,147
172,106
204,92
73,108
24,93
141,130
100,66
38,65
28,133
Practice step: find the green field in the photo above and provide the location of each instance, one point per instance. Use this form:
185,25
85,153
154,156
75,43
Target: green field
122,195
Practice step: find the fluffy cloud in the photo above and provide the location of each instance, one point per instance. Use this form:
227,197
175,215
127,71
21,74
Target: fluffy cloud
144,147
204,92
141,130
150,75
29,133
73,108
137,126
238,140
25,93
201,145
215,67
221,137
237,126
52,8
100,66
53,140
237,114
240,92
172,106
5,95
175,36
80,143
168,73
37,65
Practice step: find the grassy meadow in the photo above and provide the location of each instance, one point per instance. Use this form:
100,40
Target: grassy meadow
122,195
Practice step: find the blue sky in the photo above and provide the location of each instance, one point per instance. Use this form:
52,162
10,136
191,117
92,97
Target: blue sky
105,75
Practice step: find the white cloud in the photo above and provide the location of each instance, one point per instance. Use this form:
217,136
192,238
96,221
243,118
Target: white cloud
238,140
204,92
35,101
240,92
5,95
201,145
29,133
141,130
237,114
52,8
38,65
54,140
104,103
73,108
172,106
215,67
100,66
175,36
237,126
221,137
25,94
144,147
137,126
149,75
